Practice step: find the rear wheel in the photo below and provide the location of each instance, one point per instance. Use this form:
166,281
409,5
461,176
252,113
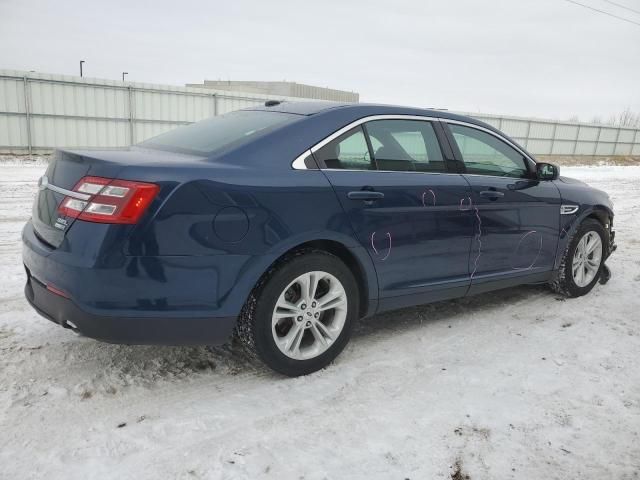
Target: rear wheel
299,317
582,261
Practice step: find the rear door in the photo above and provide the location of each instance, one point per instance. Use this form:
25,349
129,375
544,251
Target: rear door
406,209
517,216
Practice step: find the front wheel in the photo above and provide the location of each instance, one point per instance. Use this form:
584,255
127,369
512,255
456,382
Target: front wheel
582,260
299,317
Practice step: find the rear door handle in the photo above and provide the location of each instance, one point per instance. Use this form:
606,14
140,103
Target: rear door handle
492,194
365,195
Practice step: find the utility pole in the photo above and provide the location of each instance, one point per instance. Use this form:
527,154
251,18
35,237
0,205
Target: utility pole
81,62
123,74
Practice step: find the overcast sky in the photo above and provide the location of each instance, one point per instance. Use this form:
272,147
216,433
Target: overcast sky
544,58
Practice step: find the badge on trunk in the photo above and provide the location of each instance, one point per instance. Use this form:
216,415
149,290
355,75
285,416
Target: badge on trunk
61,223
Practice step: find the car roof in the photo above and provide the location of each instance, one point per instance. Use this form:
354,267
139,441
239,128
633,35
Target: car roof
297,108
308,108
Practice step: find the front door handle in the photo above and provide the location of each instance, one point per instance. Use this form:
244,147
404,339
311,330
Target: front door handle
365,195
491,194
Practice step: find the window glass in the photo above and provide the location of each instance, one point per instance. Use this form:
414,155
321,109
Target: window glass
405,145
484,154
348,151
209,135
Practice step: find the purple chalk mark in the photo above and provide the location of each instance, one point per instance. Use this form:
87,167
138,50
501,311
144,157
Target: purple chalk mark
432,194
478,235
373,245
389,251
462,206
537,254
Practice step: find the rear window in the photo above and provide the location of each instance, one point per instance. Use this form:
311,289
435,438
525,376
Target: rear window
215,133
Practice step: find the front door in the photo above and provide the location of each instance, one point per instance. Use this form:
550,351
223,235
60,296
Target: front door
517,216
411,215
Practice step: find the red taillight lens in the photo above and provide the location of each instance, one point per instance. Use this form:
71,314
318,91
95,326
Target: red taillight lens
110,201
57,291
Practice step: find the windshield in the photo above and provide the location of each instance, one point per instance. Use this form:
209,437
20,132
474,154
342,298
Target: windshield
209,135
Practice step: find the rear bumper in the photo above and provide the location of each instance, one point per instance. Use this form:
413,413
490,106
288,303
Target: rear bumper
131,300
131,330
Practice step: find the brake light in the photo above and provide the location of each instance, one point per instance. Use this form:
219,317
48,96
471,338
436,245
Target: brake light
109,200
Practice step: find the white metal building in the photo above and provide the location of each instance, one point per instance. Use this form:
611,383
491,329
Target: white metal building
285,89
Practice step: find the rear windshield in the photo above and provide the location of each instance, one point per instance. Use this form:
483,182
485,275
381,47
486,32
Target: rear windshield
215,133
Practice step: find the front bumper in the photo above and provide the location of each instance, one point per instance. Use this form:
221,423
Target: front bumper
612,242
130,330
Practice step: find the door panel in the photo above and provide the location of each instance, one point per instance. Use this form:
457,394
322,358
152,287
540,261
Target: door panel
417,234
517,217
408,218
515,233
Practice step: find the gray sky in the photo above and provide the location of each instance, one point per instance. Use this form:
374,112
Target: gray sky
544,58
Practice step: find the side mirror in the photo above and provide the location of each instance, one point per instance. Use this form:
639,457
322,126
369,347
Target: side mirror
547,171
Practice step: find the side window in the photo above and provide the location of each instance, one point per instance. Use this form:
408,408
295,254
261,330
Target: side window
348,151
405,145
484,154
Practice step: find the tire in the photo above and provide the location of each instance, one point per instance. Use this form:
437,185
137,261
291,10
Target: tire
568,284
278,337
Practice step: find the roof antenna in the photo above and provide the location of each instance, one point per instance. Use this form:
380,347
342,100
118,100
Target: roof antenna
272,103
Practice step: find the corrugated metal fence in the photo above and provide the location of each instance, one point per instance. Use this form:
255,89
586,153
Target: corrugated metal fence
39,112
549,137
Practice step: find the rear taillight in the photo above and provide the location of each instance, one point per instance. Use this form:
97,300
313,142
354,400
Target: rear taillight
109,201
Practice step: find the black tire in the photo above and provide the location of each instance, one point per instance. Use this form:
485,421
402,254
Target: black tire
564,282
254,323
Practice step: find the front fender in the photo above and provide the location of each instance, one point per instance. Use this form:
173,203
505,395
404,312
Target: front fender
569,224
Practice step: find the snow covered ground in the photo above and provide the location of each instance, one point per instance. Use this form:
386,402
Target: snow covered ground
514,384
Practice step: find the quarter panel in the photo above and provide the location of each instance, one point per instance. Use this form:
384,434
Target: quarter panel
274,213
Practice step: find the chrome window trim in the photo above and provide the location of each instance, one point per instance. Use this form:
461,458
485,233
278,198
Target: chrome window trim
532,162
388,171
416,171
298,163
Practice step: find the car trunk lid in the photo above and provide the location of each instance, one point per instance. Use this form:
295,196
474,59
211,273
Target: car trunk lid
64,171
67,168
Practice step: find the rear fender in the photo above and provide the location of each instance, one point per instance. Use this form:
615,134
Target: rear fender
259,265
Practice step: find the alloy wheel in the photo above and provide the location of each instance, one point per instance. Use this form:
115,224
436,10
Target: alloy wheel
309,315
586,259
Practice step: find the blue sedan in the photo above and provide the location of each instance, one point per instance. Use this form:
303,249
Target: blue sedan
284,224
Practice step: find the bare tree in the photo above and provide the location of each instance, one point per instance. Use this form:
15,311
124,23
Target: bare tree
626,118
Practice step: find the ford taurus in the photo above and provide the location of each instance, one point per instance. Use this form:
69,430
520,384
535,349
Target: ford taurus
286,223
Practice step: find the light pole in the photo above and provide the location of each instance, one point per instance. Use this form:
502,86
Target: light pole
81,62
123,74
